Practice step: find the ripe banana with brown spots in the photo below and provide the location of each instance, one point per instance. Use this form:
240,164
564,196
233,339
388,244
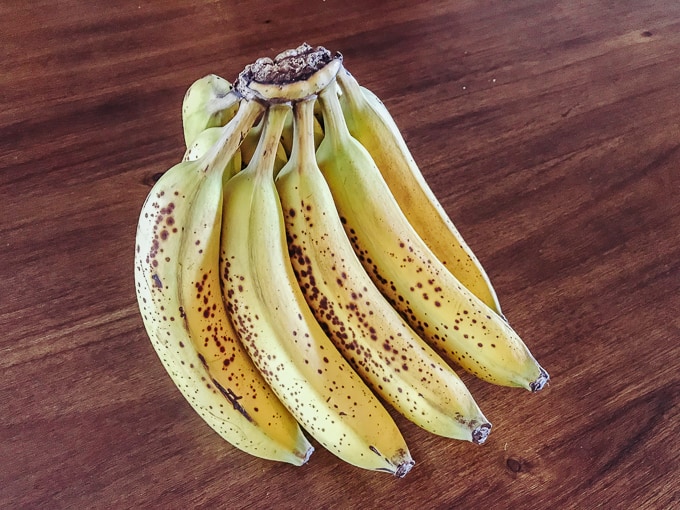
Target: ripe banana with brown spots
393,360
369,121
278,329
178,290
294,269
436,304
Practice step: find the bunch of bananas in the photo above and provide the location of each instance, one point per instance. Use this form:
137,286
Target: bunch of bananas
295,271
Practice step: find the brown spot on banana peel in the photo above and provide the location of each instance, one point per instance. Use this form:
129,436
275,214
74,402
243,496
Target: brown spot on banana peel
233,399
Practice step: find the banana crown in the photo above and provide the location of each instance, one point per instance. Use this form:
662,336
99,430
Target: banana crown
296,274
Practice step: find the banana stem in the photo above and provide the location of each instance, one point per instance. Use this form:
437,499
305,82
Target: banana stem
303,130
223,150
265,154
351,88
222,103
334,122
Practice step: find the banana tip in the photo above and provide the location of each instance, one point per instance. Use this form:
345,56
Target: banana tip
480,434
404,468
306,455
540,382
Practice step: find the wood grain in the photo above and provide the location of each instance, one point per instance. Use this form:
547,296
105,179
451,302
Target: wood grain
549,130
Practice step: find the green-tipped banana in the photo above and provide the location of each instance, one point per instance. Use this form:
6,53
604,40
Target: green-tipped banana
208,102
371,124
396,363
429,297
179,302
279,331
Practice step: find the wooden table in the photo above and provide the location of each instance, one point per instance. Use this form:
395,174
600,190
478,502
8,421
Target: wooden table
549,130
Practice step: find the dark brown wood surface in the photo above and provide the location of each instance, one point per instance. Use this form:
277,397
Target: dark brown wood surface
549,130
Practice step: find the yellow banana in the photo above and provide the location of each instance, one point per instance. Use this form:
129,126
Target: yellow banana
202,143
215,339
223,387
396,363
279,331
371,124
419,286
208,102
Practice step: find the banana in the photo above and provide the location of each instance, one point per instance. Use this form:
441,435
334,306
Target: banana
215,339
436,305
173,277
279,331
208,102
380,346
372,125
202,143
